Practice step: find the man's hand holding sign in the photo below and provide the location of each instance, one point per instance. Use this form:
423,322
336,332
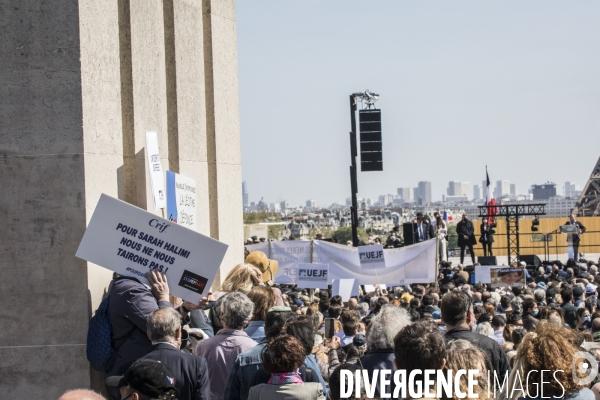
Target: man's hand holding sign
134,242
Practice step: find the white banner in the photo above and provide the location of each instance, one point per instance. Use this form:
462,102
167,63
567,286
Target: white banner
371,257
264,247
155,169
418,260
132,241
289,254
312,276
345,288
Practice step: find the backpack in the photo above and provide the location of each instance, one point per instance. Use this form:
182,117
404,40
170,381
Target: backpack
99,350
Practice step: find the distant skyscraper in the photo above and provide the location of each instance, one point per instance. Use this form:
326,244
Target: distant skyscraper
311,203
571,189
458,189
502,189
424,192
284,205
245,193
513,189
406,194
477,192
543,192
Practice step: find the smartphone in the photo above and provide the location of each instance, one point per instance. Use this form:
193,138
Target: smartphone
329,328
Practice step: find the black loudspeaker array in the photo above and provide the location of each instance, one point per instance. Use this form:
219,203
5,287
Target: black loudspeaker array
371,156
408,233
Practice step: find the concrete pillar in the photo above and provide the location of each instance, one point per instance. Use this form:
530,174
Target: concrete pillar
223,129
81,81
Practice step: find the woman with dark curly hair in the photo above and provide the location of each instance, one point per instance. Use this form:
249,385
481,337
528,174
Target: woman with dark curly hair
281,358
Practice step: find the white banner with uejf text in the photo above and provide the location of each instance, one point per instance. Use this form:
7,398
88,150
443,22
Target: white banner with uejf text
312,276
132,241
371,257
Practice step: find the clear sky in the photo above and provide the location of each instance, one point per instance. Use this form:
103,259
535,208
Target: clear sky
511,84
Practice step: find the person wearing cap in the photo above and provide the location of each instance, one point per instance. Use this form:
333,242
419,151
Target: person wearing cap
190,371
222,349
578,292
130,302
145,379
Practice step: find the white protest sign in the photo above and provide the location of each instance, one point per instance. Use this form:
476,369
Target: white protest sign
371,288
156,175
482,273
371,257
132,241
345,288
289,254
181,200
312,276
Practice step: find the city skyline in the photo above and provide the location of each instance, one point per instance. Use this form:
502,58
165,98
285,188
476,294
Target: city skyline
411,194
458,91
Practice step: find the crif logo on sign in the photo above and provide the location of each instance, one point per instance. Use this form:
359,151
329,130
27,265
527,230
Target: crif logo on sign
371,257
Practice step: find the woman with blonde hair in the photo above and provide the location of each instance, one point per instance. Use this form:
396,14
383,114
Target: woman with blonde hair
242,278
463,355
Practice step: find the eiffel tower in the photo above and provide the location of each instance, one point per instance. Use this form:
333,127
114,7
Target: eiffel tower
588,204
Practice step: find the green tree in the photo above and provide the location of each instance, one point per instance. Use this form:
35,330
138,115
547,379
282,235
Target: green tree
452,237
344,234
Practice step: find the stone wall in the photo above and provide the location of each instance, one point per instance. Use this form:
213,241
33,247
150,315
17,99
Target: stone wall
81,81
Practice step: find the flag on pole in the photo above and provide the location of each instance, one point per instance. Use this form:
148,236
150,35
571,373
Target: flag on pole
489,199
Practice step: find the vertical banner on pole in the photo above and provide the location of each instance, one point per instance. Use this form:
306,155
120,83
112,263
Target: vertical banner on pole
156,174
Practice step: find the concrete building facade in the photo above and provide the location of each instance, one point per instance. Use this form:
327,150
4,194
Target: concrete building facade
81,83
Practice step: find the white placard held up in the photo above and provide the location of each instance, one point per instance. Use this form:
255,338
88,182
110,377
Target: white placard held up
371,257
345,288
132,241
312,276
181,200
156,174
371,288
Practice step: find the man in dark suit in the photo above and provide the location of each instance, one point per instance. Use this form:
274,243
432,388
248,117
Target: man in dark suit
422,230
466,237
576,237
190,370
487,237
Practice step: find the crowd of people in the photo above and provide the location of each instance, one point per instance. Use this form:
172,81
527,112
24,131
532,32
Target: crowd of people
253,339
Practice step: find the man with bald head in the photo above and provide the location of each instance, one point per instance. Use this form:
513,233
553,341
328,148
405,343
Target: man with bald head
81,394
352,303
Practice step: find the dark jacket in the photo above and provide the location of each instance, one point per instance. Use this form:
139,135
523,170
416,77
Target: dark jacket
428,232
577,238
529,322
486,235
191,372
569,311
130,303
380,359
465,228
496,359
247,371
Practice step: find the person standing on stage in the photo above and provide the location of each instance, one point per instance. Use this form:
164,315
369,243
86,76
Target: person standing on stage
422,230
442,233
576,237
466,237
487,237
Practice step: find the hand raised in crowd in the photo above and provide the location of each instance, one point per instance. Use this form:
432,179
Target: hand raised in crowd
201,305
257,277
334,343
158,285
